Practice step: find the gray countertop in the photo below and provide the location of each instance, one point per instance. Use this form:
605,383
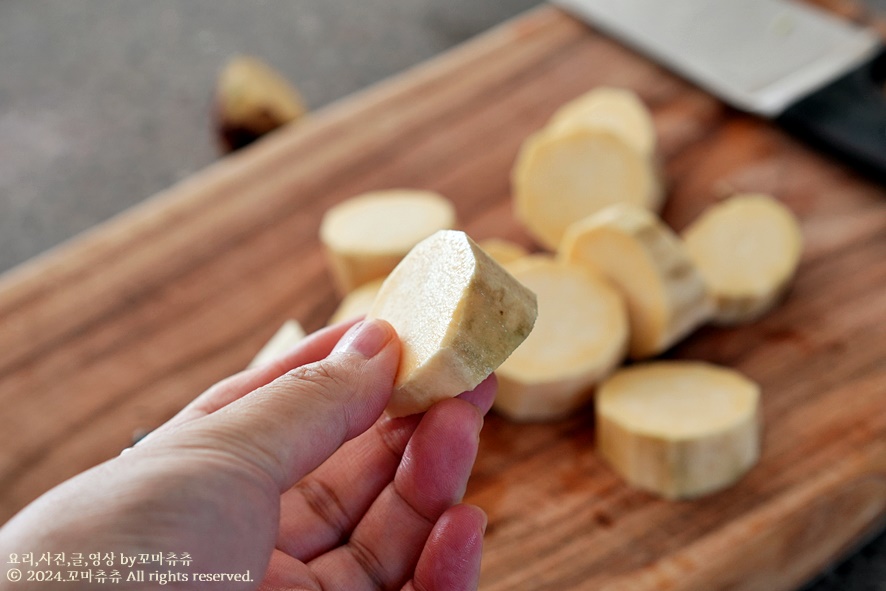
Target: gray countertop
106,102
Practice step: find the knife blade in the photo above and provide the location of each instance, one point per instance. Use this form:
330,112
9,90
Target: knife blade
817,75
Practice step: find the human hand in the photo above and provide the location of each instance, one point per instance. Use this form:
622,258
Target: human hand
292,475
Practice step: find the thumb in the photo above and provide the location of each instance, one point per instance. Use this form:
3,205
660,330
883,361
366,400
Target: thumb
293,424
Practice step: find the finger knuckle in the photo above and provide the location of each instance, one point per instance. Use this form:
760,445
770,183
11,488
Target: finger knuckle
319,380
322,499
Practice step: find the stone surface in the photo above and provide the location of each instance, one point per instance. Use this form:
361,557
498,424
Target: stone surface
106,102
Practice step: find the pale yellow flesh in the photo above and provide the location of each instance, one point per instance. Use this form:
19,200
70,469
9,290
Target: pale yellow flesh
617,109
356,303
503,251
747,248
679,429
562,177
288,335
580,336
665,294
254,96
458,314
366,236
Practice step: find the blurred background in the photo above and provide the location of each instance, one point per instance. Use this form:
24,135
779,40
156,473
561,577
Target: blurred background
106,102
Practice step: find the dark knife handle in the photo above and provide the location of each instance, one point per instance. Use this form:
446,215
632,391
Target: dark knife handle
847,117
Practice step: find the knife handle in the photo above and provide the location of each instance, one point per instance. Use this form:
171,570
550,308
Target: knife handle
847,117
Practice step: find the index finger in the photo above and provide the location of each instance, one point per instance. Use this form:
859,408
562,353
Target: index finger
312,348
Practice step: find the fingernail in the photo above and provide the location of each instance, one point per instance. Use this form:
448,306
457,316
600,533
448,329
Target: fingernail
366,338
485,523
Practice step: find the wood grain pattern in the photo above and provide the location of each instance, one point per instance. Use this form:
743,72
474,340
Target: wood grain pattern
120,328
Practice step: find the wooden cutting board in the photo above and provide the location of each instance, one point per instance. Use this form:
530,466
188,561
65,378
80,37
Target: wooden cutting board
118,329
